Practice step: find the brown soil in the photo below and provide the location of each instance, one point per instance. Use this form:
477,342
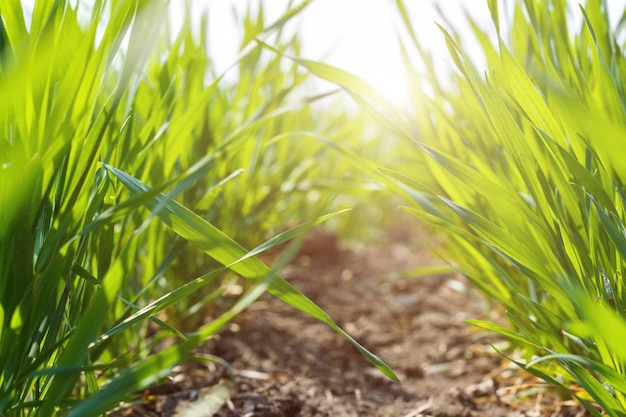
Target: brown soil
287,364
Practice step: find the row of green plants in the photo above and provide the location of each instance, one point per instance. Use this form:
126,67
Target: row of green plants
519,160
132,178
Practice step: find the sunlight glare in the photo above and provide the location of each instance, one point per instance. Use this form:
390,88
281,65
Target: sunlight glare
357,36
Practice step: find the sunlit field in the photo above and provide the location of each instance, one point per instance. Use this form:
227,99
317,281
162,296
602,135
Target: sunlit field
147,166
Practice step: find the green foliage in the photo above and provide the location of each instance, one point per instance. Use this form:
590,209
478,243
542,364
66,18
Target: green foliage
522,166
524,172
89,254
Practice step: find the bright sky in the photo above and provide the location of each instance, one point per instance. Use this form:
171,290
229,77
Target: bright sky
359,36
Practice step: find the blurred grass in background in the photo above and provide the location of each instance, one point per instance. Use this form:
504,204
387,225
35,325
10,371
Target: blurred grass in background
104,124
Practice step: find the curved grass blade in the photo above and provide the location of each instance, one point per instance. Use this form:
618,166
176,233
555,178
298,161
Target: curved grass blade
225,250
152,369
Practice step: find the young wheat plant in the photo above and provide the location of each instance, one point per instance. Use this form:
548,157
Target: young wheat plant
520,164
129,173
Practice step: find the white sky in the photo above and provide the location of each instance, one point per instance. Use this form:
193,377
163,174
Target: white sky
359,36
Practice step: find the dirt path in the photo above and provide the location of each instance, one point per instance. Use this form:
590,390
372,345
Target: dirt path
289,365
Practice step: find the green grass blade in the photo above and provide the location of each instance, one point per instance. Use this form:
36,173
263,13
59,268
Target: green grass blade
228,252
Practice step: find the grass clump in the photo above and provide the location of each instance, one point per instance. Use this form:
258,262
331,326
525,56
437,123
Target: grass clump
114,127
523,172
520,165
